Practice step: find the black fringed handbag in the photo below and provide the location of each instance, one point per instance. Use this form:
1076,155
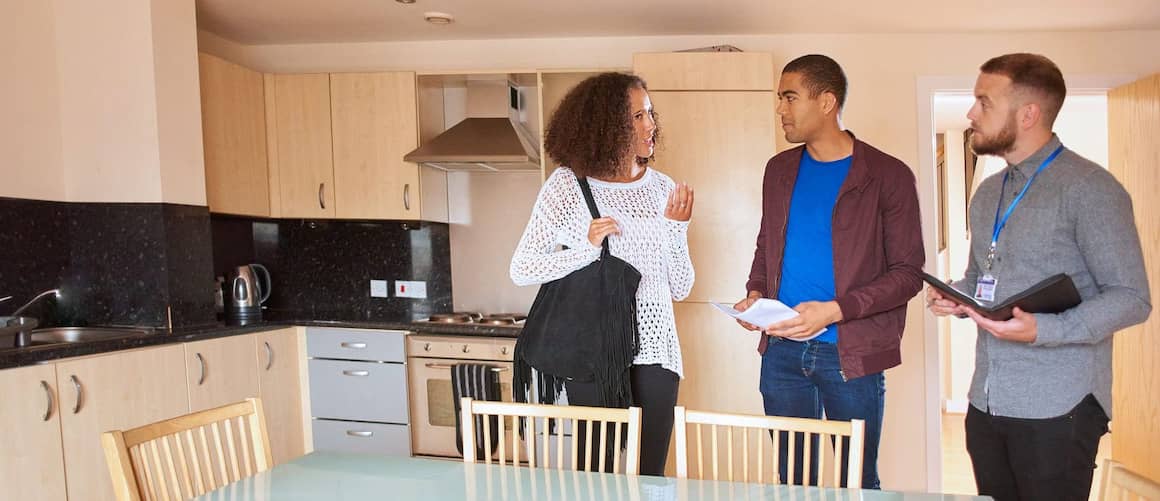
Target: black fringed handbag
583,327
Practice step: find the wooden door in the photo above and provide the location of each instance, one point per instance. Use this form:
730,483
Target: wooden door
233,127
1133,157
300,151
221,371
375,123
718,142
280,380
114,392
31,464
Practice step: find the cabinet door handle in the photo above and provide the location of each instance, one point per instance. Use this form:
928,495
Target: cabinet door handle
356,373
407,196
356,433
201,362
51,402
321,197
269,356
353,346
80,393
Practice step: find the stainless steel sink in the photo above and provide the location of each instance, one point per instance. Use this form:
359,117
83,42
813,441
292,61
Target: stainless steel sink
65,335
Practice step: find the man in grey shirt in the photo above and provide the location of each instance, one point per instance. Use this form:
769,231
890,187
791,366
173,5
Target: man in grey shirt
1041,396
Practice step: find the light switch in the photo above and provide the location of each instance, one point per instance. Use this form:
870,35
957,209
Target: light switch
412,289
378,288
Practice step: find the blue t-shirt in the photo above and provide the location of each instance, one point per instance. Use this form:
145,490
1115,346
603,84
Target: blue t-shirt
807,270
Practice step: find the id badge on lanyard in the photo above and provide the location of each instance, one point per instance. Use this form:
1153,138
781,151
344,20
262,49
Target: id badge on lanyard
986,285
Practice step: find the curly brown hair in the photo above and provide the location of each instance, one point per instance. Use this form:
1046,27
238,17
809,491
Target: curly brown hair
591,131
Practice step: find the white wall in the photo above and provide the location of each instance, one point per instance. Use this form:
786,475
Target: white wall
882,108
30,142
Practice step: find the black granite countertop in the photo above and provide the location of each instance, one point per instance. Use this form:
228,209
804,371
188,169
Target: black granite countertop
17,357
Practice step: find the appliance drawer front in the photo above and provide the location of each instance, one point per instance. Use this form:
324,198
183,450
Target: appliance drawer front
370,438
359,391
355,344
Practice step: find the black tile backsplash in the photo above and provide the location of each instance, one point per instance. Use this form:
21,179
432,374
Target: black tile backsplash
321,270
115,263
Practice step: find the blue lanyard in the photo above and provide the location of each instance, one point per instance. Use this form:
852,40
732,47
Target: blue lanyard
1000,223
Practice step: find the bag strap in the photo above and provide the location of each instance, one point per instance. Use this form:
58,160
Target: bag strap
587,190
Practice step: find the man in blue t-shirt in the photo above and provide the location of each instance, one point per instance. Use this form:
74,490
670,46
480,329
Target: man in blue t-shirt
840,242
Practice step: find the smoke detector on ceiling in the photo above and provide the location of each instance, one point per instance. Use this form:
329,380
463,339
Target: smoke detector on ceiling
408,2
438,17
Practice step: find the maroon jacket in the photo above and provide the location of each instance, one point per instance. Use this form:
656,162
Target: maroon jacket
878,253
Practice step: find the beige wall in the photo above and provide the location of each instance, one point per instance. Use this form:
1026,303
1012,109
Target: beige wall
30,160
883,70
106,96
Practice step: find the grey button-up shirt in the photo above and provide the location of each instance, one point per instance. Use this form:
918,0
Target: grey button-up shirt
1075,219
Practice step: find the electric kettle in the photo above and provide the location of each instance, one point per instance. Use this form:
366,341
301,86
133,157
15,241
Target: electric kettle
245,293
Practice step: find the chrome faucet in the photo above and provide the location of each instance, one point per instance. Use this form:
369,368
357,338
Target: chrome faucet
22,326
53,292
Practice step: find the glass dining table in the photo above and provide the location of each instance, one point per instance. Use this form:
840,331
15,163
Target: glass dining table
362,477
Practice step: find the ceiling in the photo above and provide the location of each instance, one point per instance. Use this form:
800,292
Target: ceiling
309,21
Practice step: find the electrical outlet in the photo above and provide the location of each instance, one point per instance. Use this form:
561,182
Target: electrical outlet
412,289
378,288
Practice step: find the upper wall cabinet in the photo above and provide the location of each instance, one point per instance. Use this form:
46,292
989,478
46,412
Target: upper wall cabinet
234,134
300,148
708,71
374,123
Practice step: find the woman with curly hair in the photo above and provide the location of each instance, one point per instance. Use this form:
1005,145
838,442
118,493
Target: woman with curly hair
605,131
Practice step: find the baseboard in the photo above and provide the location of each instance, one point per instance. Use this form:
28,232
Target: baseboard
955,406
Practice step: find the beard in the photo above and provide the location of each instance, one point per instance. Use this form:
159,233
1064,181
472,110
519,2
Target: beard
998,144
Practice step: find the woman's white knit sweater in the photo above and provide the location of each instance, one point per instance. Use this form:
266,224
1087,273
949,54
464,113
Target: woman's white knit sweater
657,247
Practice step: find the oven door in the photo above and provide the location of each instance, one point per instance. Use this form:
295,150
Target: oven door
433,405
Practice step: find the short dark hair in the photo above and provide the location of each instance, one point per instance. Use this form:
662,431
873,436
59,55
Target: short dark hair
1034,73
591,130
820,74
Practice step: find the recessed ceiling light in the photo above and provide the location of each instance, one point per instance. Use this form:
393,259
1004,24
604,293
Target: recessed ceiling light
406,1
438,17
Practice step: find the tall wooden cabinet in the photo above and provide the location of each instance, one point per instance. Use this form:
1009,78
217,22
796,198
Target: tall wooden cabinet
31,464
299,145
111,392
234,137
374,123
716,113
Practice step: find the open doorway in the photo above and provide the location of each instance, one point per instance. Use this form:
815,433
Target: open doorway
1082,126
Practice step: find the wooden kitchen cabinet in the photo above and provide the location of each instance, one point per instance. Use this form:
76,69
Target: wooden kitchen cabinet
280,356
233,127
298,128
110,392
374,121
31,464
221,371
714,71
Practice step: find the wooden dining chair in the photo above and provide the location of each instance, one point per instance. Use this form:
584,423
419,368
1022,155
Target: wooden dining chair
1121,484
537,433
188,455
756,430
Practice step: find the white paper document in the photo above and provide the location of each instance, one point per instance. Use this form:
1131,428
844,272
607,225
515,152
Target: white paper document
764,313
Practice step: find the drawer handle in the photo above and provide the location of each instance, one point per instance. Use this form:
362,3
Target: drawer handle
448,367
356,373
353,346
356,433
51,403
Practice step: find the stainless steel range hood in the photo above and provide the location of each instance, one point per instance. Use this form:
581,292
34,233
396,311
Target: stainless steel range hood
480,144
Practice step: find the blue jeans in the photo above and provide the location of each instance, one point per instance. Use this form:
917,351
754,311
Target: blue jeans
803,379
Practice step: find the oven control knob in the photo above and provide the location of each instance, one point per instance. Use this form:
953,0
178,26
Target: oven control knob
466,349
427,347
503,350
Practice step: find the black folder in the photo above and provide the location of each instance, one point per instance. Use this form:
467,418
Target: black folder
1055,294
